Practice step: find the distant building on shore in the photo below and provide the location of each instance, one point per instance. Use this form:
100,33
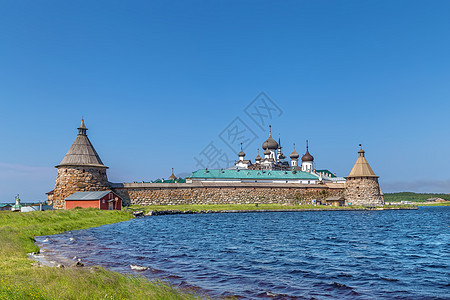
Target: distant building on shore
5,206
17,206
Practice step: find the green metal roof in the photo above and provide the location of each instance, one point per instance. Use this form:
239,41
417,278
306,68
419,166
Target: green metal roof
327,172
181,180
251,174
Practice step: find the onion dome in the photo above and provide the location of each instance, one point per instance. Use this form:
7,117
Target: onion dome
294,154
257,158
267,152
172,177
307,156
241,153
270,143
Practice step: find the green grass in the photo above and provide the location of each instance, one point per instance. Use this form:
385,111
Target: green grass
413,197
433,204
19,279
246,207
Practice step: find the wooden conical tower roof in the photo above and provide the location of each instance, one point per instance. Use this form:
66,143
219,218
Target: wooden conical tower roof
172,177
82,153
361,167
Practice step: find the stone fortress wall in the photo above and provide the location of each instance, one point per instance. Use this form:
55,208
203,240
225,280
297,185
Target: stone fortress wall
225,193
82,170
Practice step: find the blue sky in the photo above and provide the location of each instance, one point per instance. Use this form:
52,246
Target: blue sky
158,81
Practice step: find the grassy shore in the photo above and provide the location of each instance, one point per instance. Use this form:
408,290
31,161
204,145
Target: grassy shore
433,204
413,197
21,279
252,207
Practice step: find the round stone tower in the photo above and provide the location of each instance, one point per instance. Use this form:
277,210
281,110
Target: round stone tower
361,187
80,170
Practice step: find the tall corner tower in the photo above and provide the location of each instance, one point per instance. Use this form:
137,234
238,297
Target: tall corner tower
362,187
80,170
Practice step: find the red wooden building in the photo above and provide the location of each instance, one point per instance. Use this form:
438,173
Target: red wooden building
106,200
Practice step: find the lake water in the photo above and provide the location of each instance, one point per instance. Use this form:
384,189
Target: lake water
282,255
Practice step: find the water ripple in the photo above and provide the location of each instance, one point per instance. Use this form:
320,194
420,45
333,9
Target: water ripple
279,255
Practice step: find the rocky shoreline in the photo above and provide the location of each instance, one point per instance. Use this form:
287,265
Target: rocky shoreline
50,258
141,213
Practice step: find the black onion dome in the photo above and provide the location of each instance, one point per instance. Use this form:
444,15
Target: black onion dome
307,156
270,144
267,152
257,156
241,153
294,155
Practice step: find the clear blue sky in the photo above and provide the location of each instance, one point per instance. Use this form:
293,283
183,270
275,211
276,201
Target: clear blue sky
157,81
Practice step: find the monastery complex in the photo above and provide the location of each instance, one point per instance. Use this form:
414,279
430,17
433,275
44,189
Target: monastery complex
82,178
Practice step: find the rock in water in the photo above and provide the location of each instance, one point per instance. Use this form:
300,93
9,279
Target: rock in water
139,213
78,264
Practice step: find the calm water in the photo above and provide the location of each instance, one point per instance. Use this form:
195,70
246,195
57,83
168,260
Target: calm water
281,255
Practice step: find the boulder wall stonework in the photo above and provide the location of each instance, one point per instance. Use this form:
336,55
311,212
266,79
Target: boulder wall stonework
363,191
223,195
77,179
